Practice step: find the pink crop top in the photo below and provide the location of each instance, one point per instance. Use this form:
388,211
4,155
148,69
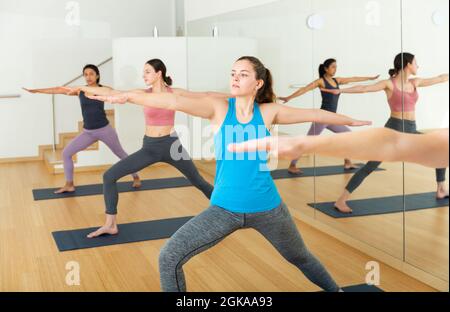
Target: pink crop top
159,116
399,98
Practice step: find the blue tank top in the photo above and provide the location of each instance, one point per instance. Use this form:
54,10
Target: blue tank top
330,101
93,111
243,182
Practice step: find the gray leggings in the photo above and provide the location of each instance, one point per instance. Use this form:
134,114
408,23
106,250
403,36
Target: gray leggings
364,172
153,150
215,224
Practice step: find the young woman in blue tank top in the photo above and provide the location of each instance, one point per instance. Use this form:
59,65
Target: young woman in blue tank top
327,80
245,195
96,127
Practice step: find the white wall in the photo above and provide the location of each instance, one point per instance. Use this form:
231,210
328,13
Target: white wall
365,49
203,70
293,52
130,55
284,44
197,9
430,44
45,48
361,48
209,66
364,36
180,17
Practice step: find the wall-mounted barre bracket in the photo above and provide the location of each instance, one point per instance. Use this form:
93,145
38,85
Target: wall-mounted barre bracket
296,86
10,96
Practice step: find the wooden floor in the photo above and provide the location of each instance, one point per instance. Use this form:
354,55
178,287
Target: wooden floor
425,232
30,261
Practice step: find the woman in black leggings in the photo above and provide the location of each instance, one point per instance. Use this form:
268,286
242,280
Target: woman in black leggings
161,144
402,94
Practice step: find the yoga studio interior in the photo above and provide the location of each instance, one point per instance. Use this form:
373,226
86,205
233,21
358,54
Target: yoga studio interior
56,132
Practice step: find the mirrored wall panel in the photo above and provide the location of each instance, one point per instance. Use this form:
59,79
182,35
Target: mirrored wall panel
277,33
425,41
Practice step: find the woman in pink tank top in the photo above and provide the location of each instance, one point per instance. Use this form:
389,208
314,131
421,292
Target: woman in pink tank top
160,144
402,96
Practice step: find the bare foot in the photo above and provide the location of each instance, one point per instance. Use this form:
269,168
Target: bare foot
294,170
442,192
342,207
66,189
137,183
349,165
110,230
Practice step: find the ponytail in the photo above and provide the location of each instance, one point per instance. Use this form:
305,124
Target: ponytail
323,67
322,71
266,94
393,72
168,80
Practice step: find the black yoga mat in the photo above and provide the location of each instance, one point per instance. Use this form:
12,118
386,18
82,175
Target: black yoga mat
362,288
128,233
384,205
158,184
97,189
318,172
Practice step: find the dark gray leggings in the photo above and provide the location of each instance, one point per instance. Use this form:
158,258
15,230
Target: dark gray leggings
153,150
215,224
364,172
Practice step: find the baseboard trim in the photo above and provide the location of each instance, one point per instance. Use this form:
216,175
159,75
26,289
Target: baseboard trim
20,160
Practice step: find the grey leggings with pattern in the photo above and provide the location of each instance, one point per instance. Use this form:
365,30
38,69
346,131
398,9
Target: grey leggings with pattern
215,224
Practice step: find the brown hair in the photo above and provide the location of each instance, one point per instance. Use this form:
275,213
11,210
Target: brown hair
265,94
95,69
401,62
159,66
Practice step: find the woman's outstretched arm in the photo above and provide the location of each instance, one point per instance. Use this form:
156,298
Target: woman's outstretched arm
428,82
182,92
355,79
431,149
286,115
206,107
54,90
100,90
313,85
193,94
203,107
377,87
